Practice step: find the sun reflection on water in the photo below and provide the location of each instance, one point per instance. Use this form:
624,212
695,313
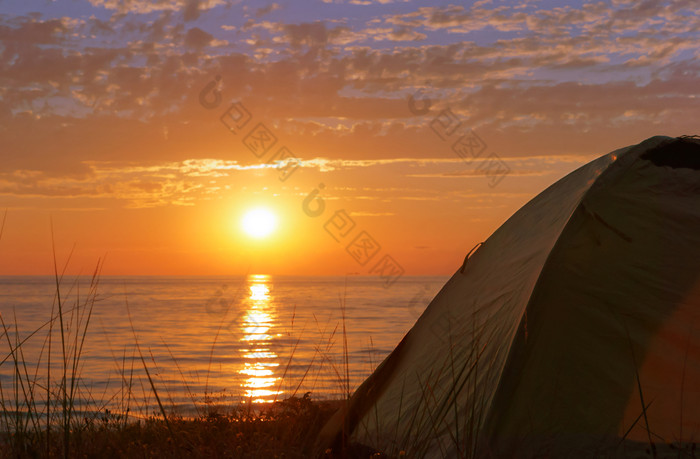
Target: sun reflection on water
259,359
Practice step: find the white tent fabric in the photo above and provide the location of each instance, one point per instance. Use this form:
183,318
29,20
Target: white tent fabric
575,328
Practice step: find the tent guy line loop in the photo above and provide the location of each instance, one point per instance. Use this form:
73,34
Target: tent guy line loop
464,265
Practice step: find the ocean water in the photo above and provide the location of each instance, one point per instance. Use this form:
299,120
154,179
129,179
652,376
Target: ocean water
204,341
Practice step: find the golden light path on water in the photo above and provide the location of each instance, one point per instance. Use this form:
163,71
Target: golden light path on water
259,366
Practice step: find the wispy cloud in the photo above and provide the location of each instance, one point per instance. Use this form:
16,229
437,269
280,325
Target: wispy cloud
186,182
122,80
148,6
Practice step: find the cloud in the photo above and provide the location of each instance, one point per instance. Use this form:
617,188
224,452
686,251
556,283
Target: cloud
197,38
191,10
371,214
365,2
338,89
150,184
597,20
30,30
313,34
260,12
148,6
138,185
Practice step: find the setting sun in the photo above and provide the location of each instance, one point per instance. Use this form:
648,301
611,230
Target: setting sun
259,223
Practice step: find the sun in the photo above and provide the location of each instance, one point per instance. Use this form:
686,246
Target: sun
259,223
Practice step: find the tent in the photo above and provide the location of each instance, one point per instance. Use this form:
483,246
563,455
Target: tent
574,330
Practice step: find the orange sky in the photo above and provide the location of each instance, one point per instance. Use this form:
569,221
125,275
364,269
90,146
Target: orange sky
103,132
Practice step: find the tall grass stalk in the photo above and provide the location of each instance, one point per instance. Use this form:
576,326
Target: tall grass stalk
148,373
29,416
51,412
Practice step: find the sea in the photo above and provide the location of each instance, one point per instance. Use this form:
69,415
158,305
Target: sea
189,345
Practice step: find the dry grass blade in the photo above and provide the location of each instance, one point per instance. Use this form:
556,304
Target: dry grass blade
182,375
148,373
2,226
641,394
